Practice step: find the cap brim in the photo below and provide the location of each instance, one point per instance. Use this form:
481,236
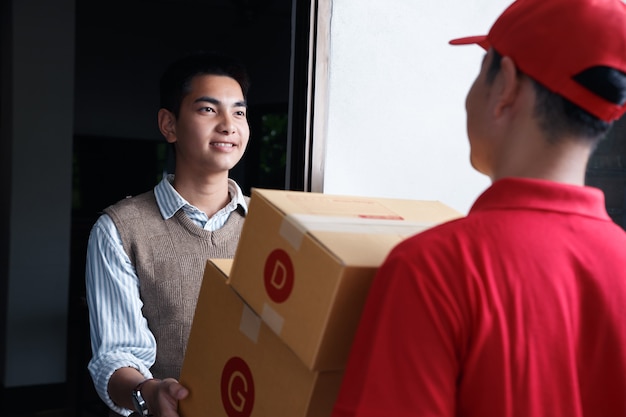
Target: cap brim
478,40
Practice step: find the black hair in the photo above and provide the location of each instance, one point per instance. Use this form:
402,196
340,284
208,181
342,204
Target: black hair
558,116
176,79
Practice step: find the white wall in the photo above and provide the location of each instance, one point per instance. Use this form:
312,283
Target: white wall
396,94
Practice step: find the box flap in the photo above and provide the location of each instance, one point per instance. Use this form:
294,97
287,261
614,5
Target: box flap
357,230
223,265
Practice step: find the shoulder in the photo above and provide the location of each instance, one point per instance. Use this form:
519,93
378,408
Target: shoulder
437,247
131,204
440,235
134,200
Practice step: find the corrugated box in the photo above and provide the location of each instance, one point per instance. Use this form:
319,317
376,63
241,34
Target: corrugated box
235,366
305,262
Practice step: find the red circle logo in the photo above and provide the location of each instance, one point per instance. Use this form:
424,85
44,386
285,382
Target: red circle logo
237,388
278,275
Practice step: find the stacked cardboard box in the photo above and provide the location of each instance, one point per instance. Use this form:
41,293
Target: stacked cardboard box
303,268
237,366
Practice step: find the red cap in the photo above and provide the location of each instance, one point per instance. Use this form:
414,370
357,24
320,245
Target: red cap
554,40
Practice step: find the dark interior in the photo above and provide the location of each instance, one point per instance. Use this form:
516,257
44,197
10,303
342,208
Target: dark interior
122,46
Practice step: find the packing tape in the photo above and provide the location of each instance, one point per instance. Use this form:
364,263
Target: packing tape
292,231
250,324
295,226
274,320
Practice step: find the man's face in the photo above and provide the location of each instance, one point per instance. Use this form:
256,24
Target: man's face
477,106
212,129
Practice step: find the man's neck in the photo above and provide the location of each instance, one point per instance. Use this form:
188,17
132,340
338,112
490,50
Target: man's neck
207,194
564,162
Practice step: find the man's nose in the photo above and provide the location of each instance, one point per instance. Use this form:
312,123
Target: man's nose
226,125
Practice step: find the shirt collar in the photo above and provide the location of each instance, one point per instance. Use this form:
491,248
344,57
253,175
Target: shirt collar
538,194
169,201
236,196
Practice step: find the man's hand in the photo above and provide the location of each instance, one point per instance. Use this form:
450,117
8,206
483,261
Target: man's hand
162,396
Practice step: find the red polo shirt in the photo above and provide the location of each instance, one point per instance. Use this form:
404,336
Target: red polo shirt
517,310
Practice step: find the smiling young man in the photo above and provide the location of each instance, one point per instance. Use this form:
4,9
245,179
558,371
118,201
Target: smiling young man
518,309
146,254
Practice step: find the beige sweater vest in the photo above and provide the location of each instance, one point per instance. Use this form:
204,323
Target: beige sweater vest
169,257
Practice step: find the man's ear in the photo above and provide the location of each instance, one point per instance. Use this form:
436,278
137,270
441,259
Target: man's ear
509,86
167,125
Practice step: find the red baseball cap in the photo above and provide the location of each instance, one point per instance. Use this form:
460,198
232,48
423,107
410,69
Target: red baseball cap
554,40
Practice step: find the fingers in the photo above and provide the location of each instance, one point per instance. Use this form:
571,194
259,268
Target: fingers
176,390
169,392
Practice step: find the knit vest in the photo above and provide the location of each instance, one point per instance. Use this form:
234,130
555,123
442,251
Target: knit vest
169,258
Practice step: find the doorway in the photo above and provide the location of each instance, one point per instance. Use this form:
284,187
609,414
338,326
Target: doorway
122,47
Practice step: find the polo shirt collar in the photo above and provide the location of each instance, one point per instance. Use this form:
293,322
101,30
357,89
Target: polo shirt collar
538,194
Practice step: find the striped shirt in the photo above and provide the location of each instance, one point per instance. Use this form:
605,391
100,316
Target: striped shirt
119,333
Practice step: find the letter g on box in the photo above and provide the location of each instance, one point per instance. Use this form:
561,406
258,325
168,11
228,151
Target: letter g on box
237,388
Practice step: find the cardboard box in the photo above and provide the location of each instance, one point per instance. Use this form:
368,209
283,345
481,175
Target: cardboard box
305,262
236,366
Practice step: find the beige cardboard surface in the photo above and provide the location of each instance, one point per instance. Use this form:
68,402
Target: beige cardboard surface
305,262
236,366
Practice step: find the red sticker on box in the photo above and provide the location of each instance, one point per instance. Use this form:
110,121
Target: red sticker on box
278,276
237,388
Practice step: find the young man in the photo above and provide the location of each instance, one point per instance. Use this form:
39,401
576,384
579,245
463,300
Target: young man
518,309
146,254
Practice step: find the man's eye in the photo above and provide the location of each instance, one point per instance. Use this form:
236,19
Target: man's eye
240,113
208,109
